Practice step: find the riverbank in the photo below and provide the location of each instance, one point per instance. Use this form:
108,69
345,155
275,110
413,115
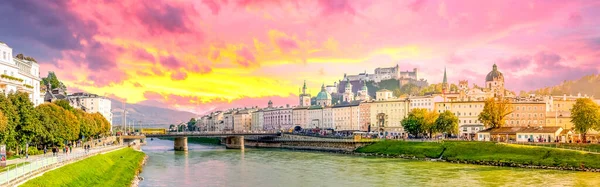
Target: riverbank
486,153
117,168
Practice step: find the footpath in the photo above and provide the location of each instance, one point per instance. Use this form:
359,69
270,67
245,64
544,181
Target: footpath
37,165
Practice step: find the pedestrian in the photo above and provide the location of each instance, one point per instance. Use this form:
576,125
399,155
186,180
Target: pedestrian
71,148
64,149
45,150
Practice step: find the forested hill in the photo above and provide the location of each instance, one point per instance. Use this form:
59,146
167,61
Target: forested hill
149,115
589,85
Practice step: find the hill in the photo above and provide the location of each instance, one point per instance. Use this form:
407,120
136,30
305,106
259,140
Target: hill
589,85
149,115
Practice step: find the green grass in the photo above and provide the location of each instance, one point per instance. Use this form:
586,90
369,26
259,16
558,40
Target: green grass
116,168
487,152
12,166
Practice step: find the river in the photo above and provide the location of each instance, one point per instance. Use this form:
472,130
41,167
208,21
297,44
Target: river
210,165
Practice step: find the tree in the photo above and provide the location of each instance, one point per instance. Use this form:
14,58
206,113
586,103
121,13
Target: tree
191,125
447,123
3,122
28,126
585,115
53,80
413,123
171,127
7,136
494,112
64,104
429,122
61,125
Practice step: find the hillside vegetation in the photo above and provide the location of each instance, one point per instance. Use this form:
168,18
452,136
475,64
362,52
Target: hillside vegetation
589,85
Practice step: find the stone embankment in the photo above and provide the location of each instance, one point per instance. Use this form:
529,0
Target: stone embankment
137,179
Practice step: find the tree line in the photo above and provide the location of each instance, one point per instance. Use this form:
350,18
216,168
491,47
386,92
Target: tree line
421,122
48,124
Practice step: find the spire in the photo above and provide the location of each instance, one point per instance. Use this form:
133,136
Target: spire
445,78
495,68
323,87
304,87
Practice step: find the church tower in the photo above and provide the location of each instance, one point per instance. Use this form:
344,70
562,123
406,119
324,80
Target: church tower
304,97
445,83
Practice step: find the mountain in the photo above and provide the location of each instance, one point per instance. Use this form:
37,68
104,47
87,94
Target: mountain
151,116
587,85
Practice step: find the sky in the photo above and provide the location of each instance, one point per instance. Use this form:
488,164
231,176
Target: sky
205,55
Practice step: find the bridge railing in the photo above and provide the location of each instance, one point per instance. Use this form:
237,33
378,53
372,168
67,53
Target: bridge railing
219,132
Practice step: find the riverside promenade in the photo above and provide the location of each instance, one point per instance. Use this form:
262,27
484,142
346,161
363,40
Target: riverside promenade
30,168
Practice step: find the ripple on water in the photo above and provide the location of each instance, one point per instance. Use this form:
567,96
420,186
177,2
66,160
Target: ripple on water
205,165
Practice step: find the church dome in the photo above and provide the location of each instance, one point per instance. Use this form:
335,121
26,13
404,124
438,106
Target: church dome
494,74
323,95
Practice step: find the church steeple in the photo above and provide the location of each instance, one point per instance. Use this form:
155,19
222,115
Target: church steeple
304,88
445,82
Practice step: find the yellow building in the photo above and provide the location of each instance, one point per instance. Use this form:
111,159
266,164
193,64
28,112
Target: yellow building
467,113
527,114
386,115
346,116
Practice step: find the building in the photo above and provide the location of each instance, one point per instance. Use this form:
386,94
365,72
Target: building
324,97
92,103
19,74
242,120
363,93
424,102
383,95
215,121
527,114
328,118
365,116
258,123
227,124
522,134
384,74
558,110
300,117
467,113
386,116
315,116
346,116
278,118
348,95
304,97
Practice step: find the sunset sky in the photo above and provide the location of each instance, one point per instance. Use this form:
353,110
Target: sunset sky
202,55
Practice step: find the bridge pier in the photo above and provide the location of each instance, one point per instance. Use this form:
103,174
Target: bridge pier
181,144
234,142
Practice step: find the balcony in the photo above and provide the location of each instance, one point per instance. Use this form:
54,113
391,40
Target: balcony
25,88
10,80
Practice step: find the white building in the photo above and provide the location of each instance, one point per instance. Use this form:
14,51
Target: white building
425,102
300,117
19,73
258,123
92,103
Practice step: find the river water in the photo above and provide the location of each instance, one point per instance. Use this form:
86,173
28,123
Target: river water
208,165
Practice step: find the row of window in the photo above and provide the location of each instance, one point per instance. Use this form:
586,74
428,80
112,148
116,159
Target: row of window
528,115
528,108
524,122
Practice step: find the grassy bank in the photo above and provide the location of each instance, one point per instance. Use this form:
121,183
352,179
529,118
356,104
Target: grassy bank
199,140
117,168
487,152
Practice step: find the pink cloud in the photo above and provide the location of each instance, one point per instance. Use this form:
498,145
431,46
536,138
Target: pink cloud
416,5
170,62
247,58
330,7
286,44
178,75
202,69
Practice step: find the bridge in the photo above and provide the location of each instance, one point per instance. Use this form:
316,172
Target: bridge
234,140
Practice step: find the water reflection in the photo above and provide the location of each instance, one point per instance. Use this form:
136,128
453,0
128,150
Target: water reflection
205,165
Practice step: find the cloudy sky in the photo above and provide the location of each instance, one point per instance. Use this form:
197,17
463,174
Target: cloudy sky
201,55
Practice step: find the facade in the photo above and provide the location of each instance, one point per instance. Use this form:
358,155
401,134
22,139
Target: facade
527,114
300,117
278,118
227,124
386,116
383,95
257,120
466,111
92,103
522,134
315,116
363,93
494,81
328,118
384,74
365,116
242,120
348,95
19,73
425,102
346,116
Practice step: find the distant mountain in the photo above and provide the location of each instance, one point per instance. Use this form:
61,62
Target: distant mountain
589,85
151,116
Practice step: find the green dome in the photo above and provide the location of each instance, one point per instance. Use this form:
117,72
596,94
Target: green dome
323,95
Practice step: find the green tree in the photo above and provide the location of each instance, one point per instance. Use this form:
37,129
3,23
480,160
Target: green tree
28,127
64,104
61,125
447,123
101,123
10,112
191,125
585,115
3,122
414,122
494,112
171,127
53,80
429,122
